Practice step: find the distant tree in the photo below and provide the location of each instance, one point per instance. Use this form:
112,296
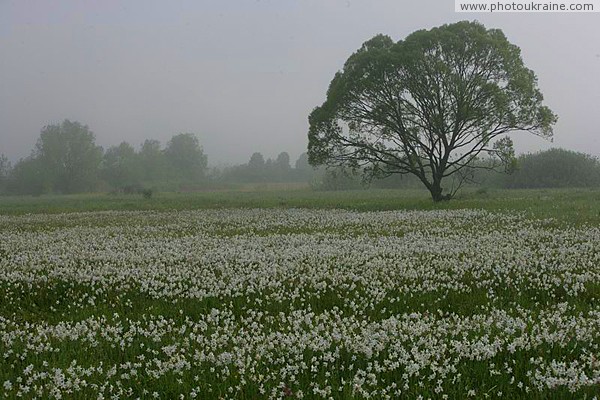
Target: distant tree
152,161
4,166
283,161
5,171
29,177
257,162
428,105
69,157
186,157
120,166
336,178
259,170
302,162
555,168
303,171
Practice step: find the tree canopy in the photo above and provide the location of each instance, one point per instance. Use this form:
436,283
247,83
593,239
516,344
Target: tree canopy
257,161
186,157
555,168
69,157
120,166
66,159
428,105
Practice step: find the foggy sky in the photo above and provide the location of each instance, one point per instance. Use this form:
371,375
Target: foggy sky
244,75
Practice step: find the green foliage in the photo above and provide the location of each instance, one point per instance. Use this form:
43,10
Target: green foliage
303,170
68,157
29,177
337,179
67,160
428,105
120,166
506,153
274,171
283,161
302,162
555,168
257,162
152,161
186,157
5,171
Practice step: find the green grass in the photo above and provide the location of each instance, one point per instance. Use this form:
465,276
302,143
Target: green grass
577,206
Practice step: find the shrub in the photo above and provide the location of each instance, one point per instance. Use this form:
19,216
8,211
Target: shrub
555,168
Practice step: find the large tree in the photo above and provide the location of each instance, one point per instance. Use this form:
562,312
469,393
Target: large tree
429,105
68,156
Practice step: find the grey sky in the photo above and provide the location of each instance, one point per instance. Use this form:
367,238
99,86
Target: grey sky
244,75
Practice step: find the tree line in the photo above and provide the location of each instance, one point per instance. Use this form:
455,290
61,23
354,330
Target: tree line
66,159
261,170
553,168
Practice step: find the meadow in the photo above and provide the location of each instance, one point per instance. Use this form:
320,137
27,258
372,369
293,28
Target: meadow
377,294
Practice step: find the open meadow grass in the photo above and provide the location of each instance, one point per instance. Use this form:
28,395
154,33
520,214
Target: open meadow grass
575,206
297,294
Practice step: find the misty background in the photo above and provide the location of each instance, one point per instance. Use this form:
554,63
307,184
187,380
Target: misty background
229,86
244,75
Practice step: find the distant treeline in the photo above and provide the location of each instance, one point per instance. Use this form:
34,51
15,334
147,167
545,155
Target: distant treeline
554,168
66,159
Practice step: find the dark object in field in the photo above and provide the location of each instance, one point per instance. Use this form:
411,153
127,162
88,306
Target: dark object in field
134,189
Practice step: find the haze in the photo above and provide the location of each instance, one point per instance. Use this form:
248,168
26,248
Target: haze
244,75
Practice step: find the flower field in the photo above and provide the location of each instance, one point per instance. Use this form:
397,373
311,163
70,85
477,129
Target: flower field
292,303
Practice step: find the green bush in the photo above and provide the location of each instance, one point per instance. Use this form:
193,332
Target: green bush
555,168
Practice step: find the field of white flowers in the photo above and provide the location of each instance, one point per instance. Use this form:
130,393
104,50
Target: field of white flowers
290,303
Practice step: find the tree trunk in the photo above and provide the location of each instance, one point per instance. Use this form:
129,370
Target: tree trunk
436,192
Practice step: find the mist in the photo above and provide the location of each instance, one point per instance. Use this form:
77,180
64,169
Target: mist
244,75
